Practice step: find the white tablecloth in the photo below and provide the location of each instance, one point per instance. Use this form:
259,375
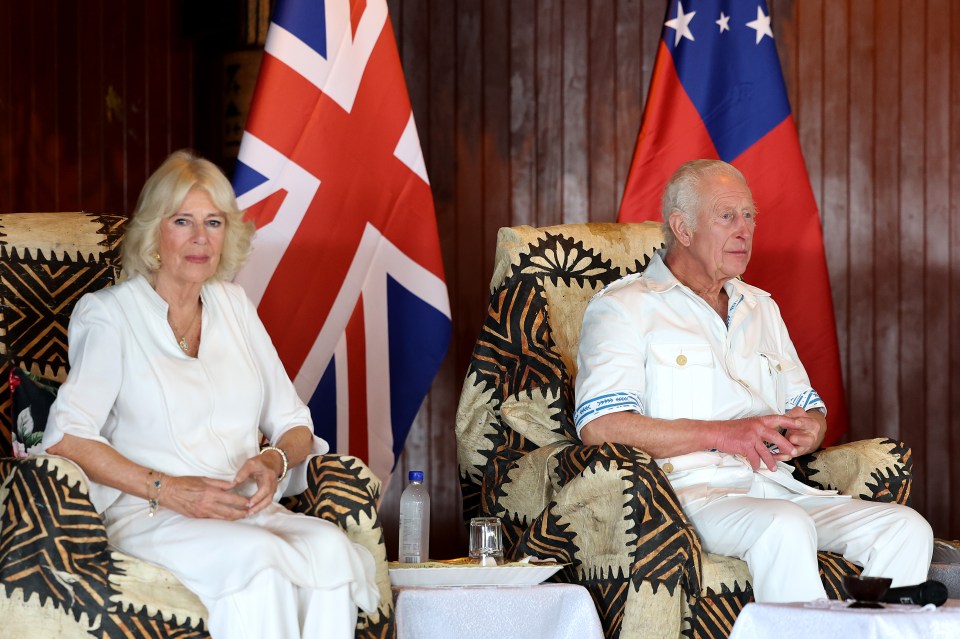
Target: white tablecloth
833,619
550,611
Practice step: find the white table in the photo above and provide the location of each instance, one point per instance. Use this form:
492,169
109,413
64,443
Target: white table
550,611
833,619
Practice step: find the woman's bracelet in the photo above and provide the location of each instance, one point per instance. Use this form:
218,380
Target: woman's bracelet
154,484
283,456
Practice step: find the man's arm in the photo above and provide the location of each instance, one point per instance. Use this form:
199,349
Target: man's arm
748,437
810,430
658,437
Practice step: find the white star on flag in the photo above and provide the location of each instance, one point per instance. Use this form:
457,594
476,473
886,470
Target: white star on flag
681,24
724,22
761,25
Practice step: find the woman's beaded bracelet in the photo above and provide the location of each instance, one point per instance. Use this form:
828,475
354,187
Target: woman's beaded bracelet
283,456
154,484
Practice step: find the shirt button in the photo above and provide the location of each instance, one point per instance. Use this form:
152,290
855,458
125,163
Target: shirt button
668,468
681,359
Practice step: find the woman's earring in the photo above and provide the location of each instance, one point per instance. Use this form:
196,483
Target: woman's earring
156,256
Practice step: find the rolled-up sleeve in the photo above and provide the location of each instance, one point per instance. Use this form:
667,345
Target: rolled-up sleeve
283,409
798,390
610,362
86,398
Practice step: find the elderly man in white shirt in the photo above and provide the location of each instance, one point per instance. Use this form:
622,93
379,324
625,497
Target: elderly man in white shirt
694,366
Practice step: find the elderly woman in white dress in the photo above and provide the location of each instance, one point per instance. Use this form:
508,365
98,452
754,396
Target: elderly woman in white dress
173,380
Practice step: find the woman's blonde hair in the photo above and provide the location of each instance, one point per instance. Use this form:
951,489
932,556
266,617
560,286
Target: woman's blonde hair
163,195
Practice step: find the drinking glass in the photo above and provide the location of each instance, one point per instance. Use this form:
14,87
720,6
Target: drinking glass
486,543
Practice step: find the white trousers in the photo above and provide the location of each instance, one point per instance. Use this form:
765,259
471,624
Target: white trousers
271,606
778,534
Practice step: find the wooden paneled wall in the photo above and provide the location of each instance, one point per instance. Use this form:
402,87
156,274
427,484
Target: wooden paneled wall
528,111
875,87
93,96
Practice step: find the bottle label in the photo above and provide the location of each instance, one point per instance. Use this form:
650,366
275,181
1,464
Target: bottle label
410,539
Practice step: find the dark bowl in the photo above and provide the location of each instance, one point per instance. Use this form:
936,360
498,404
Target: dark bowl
865,588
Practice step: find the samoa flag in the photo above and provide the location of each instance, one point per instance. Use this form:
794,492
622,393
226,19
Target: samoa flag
717,91
346,270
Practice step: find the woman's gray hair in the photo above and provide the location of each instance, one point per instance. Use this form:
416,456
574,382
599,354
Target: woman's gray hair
163,195
682,193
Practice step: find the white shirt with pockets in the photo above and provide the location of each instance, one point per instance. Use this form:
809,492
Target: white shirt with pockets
650,345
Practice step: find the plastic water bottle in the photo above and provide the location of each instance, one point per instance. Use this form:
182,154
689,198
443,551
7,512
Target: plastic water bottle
414,521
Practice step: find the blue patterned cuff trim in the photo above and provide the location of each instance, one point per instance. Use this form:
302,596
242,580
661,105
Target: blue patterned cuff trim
608,403
807,400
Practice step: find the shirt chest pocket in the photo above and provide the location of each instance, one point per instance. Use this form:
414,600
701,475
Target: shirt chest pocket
770,377
681,381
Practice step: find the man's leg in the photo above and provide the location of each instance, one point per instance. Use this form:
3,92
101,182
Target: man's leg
888,540
776,538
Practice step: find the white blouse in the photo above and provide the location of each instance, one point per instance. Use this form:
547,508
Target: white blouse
130,386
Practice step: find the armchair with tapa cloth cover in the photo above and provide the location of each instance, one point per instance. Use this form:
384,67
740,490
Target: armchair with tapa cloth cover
606,511
60,577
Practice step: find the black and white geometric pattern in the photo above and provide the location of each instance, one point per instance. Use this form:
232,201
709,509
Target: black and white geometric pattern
606,511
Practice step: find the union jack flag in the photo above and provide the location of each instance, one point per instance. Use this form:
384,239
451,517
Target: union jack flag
346,269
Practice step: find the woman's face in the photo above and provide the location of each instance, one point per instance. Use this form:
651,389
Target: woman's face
191,241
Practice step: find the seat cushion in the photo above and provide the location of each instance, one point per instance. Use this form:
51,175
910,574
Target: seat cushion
32,398
60,575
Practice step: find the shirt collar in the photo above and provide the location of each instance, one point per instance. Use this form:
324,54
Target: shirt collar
661,279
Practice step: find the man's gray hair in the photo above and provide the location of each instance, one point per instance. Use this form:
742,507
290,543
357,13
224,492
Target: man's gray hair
682,192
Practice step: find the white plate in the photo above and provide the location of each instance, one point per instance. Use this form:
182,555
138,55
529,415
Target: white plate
472,575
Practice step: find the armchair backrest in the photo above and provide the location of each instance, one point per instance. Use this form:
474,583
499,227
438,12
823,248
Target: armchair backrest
518,392
47,262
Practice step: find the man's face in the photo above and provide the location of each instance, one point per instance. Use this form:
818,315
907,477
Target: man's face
725,224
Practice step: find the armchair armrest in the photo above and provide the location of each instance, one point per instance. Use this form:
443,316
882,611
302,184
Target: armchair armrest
522,487
614,497
51,537
56,562
58,573
872,469
343,490
618,524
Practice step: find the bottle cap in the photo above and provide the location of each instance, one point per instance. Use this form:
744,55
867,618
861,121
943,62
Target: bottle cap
416,475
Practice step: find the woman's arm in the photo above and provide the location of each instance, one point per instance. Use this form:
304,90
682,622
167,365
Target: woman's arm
190,496
103,464
267,468
297,444
284,418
